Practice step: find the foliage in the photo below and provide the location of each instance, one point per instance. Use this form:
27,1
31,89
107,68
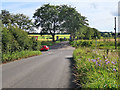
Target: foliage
15,39
73,20
47,17
7,57
100,44
20,20
81,43
95,69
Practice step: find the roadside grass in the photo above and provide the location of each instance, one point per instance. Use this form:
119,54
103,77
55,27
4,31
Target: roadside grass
99,44
18,55
95,68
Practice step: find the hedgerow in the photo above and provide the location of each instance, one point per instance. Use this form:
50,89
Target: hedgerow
16,40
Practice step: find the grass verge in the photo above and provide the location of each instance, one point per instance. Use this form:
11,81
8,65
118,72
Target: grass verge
96,68
18,55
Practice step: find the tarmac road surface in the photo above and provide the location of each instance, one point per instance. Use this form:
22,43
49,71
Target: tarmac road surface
52,69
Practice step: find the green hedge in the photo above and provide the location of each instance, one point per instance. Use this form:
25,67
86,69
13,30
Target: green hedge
15,39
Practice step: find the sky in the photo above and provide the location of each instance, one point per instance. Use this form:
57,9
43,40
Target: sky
100,13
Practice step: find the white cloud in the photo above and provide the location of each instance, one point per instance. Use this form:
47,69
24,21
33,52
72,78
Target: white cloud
100,13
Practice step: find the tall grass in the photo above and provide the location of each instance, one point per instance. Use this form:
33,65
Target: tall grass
96,68
18,55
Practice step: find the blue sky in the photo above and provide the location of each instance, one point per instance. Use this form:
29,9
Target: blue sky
100,13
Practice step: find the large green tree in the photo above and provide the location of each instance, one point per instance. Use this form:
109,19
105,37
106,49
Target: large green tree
47,17
72,20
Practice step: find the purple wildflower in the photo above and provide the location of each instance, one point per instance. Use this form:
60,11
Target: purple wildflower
89,59
93,60
99,64
106,60
96,63
98,58
114,69
105,57
112,62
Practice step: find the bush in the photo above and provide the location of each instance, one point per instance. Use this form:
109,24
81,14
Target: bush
15,39
81,43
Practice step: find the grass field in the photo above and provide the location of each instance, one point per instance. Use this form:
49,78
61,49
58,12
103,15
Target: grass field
49,37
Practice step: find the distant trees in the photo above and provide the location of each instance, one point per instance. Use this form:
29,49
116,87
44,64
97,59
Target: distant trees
20,20
86,32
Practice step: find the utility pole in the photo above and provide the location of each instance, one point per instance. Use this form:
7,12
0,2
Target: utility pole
115,35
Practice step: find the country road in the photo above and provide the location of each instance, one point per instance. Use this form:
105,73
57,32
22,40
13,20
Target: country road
52,69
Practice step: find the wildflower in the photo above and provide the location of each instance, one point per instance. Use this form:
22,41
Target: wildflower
99,64
114,69
106,60
96,63
112,62
98,58
105,57
93,60
89,59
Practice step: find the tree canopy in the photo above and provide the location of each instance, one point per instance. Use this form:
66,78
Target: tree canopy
47,17
20,20
54,19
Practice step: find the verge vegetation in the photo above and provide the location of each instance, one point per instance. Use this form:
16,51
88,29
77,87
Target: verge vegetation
95,67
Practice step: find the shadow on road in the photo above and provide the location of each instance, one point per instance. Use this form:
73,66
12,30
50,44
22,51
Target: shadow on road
71,80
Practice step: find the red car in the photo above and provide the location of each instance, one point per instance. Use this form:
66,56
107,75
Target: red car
44,48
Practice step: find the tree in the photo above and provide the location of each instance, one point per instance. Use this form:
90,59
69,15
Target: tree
23,22
20,20
96,33
47,17
5,17
72,20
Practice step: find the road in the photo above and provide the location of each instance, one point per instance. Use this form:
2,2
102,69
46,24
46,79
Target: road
52,69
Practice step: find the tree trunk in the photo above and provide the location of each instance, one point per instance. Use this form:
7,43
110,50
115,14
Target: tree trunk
53,38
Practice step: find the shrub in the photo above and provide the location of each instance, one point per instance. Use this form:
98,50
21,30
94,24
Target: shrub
15,39
81,43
